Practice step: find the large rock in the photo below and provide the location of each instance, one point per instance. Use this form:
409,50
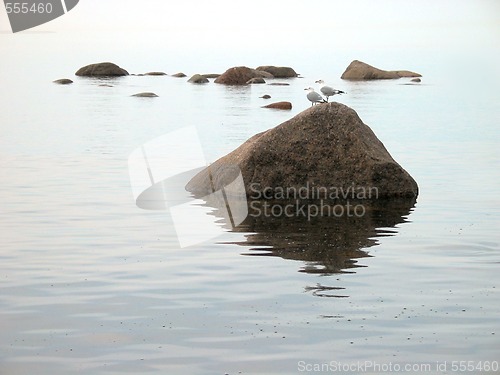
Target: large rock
358,70
278,71
105,69
240,75
326,149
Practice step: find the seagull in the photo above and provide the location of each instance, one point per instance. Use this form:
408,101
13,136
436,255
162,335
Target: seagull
314,97
328,91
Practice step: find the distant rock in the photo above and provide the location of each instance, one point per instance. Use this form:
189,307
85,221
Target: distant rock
278,84
105,85
262,73
325,149
105,69
146,95
416,80
278,71
179,75
279,105
63,81
266,96
240,75
358,71
256,80
198,78
155,74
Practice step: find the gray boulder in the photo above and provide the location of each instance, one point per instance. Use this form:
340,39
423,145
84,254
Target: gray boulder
105,69
198,78
322,150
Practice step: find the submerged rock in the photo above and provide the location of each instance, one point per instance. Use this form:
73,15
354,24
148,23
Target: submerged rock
256,80
145,95
358,70
278,71
155,74
63,81
179,75
279,105
266,96
104,69
322,149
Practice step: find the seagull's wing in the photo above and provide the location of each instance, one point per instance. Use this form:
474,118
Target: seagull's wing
314,97
327,90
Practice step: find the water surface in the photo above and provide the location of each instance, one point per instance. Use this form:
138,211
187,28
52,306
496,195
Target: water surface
91,283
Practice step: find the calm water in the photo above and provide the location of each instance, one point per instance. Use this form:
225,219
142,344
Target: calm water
90,283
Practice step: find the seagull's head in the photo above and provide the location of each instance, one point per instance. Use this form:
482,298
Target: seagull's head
320,81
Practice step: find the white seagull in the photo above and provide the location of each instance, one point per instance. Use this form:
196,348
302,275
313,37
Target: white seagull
328,91
314,97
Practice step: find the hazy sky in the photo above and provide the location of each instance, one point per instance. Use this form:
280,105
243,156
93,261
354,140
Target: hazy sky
384,21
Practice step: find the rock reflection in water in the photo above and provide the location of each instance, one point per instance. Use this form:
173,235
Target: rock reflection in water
326,245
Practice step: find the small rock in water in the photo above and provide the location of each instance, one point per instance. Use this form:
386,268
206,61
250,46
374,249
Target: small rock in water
265,96
198,78
63,81
155,74
179,75
279,105
145,95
